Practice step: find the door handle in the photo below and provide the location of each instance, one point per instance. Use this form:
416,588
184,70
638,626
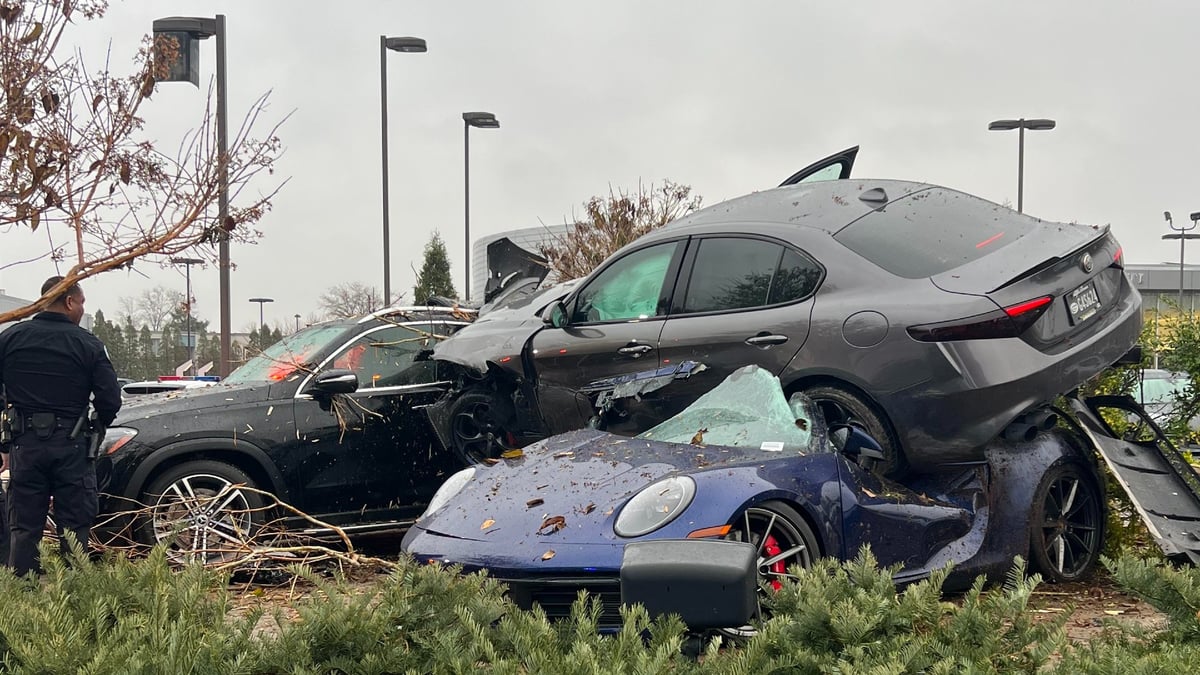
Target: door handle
635,350
766,340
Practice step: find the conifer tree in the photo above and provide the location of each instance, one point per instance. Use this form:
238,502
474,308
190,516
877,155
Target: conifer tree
434,278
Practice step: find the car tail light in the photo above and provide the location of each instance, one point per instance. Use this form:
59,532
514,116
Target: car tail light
1119,258
1002,323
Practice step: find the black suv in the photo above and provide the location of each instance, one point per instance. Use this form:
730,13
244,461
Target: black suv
326,419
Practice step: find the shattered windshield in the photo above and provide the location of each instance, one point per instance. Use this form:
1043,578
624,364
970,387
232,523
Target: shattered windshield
285,357
748,409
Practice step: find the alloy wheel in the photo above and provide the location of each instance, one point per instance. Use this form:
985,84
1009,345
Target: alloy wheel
203,517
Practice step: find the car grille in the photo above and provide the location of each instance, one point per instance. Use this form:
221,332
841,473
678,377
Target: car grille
555,596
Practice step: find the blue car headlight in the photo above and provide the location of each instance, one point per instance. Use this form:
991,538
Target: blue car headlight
453,485
656,505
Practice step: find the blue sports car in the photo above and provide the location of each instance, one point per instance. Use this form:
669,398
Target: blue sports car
716,504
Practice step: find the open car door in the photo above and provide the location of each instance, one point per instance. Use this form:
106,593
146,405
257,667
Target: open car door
834,167
1162,485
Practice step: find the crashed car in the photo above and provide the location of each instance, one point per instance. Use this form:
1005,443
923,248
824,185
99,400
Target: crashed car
327,420
722,501
934,319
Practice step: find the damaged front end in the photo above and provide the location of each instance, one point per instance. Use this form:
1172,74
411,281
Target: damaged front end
505,407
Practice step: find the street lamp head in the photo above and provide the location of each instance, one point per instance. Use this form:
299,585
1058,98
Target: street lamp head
481,120
1195,216
1167,216
262,300
1009,125
412,45
187,31
1040,125
186,261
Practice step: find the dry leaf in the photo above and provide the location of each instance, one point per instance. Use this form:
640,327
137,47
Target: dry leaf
487,523
33,34
536,501
512,454
553,523
868,492
490,461
565,453
589,508
698,439
548,554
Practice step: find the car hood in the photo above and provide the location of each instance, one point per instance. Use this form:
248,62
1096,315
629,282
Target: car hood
501,332
582,476
190,401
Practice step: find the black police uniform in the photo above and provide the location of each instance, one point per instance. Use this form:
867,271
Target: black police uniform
49,368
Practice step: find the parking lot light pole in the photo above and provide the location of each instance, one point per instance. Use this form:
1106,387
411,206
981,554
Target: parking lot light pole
410,45
1021,125
187,306
1183,232
188,30
297,322
261,302
479,120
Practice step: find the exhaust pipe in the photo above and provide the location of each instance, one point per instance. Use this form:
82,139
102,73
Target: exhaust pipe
1042,419
1020,430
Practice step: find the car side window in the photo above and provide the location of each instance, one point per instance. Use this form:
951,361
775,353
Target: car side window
630,288
731,273
385,358
797,277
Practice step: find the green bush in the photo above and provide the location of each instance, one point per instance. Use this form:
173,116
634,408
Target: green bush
123,616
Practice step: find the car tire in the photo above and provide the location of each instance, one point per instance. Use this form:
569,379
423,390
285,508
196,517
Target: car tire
1066,523
480,421
185,515
841,406
782,538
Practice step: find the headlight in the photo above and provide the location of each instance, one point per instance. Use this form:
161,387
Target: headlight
453,485
116,437
655,506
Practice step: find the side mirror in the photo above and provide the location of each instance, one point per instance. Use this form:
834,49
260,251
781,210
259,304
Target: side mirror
857,444
335,381
555,314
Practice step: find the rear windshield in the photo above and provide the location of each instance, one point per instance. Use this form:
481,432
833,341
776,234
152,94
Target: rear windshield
933,231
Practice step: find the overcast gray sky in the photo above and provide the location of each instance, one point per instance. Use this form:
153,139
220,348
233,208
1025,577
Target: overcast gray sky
728,97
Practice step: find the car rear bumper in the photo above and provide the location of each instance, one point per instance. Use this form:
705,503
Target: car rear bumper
994,381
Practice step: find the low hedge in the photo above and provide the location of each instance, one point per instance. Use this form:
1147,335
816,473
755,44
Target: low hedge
142,616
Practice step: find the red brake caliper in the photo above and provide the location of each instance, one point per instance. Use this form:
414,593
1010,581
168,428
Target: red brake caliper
771,549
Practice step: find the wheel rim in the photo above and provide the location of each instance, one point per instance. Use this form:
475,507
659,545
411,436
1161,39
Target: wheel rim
477,433
778,544
1071,525
203,518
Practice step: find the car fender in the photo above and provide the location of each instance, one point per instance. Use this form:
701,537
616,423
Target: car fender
199,446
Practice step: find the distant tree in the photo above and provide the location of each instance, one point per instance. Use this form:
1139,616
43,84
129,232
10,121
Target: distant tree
613,221
79,169
156,305
434,277
350,299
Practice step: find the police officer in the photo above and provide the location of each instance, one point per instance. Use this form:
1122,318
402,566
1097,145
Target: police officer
49,367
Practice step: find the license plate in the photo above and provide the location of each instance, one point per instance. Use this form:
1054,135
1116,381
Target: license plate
1083,302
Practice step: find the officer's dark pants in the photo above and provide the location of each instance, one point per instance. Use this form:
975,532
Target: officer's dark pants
39,469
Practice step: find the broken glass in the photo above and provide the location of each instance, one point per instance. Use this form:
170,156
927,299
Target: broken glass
748,409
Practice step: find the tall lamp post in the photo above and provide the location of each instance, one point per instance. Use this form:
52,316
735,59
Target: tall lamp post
1182,233
187,305
410,45
479,120
189,30
1021,124
261,302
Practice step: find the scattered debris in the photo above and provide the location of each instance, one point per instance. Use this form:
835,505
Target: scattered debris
553,524
536,501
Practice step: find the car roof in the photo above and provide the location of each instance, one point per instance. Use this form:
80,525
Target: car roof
826,205
421,313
